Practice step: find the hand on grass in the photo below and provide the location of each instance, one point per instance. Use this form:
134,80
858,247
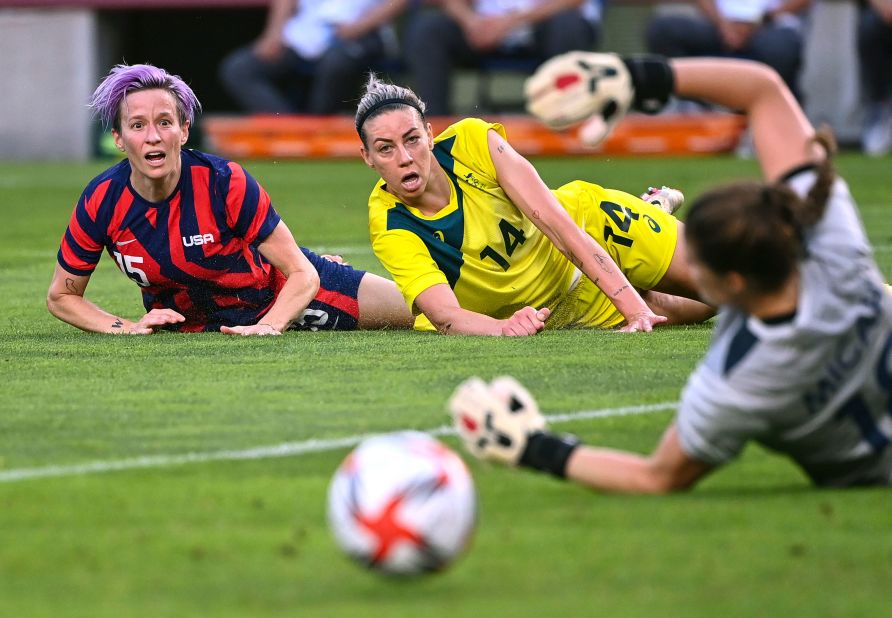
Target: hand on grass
153,320
257,330
643,322
525,322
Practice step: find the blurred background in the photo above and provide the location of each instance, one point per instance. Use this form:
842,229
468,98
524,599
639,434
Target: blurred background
54,52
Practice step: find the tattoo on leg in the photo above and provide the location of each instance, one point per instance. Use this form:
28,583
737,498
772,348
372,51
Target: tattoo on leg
117,323
69,285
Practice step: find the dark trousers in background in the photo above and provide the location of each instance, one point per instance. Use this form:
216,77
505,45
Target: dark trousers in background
679,36
875,52
438,45
292,84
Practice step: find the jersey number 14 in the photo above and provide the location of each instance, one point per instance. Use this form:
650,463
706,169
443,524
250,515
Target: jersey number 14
512,237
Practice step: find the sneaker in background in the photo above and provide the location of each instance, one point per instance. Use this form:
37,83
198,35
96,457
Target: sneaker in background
877,138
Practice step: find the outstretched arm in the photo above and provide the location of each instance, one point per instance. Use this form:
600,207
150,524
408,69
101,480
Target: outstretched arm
65,300
522,184
300,288
501,422
781,132
599,88
441,307
667,469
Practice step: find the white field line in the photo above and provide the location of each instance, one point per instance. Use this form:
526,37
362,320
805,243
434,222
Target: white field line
286,449
345,250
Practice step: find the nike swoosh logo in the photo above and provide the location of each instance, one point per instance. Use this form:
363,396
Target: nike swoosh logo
121,243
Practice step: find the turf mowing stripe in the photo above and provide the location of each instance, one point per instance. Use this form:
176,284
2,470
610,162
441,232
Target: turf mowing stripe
342,249
286,449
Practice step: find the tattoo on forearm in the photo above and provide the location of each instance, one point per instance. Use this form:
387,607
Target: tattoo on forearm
604,263
117,323
69,285
620,291
574,260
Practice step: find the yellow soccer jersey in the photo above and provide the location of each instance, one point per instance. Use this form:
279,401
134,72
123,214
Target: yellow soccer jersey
480,244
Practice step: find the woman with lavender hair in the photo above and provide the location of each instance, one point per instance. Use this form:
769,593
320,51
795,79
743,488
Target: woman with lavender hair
198,234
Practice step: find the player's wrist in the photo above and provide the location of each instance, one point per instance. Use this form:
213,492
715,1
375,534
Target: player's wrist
274,327
628,301
120,326
548,452
653,81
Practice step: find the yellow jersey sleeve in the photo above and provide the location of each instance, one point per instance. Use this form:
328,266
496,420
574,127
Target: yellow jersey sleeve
407,259
469,145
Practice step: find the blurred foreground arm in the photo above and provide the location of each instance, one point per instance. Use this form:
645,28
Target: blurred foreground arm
598,89
501,422
782,134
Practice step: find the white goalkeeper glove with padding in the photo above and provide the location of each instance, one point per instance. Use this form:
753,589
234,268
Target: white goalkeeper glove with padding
501,422
597,89
495,420
578,86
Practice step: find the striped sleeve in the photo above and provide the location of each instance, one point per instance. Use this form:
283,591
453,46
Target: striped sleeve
82,243
249,211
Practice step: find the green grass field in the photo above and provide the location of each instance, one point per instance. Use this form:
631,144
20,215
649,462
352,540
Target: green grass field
234,536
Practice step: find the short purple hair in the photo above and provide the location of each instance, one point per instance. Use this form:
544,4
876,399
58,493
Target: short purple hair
124,79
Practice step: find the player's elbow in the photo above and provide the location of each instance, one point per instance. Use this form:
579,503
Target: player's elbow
55,302
313,281
442,318
307,280
662,481
444,324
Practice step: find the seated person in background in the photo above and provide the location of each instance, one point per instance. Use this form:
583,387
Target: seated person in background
875,52
311,55
466,31
769,31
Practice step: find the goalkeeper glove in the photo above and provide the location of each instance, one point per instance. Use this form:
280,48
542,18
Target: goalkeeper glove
501,422
597,88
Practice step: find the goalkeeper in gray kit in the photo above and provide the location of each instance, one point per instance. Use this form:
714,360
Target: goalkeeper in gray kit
801,357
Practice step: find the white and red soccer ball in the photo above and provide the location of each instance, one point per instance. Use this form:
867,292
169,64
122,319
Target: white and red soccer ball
403,504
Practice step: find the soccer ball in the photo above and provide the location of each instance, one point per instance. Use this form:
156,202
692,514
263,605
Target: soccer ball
402,504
